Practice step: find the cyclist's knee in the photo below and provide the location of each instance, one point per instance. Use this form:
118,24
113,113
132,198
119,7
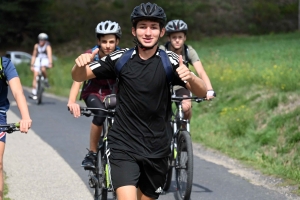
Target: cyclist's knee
186,105
187,109
98,121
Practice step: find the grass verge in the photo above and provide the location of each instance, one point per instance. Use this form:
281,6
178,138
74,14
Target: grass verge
255,117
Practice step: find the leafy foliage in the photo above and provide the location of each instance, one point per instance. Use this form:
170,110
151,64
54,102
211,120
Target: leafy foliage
66,20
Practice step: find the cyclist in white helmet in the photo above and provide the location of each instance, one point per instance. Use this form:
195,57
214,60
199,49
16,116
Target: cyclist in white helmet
41,59
94,91
176,31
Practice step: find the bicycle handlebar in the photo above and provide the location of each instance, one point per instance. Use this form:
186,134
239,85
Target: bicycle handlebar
9,128
196,99
86,111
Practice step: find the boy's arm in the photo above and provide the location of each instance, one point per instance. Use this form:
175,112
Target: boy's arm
202,73
73,106
81,70
193,83
17,91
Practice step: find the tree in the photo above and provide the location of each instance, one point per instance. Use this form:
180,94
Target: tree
22,19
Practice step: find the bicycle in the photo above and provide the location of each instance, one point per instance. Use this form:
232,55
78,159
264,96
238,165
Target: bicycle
100,177
181,157
10,128
40,86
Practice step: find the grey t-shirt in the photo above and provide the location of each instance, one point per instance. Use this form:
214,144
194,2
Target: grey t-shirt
193,56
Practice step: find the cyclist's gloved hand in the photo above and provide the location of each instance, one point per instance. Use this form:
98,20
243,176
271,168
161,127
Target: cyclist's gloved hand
86,58
210,94
25,125
183,72
74,109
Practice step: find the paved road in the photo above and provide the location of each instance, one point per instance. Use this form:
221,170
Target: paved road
45,164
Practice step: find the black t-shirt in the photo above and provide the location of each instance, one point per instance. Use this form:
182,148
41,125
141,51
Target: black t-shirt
142,117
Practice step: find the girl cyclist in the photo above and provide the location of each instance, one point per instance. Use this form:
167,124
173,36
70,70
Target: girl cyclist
41,59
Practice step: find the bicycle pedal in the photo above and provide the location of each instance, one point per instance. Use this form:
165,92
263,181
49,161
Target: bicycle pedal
92,184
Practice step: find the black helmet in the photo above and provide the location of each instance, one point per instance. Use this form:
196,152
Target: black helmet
176,25
148,11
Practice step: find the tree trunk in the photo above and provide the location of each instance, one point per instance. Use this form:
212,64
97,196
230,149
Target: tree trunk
299,15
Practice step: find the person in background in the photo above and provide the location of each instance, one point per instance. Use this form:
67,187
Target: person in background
176,31
41,59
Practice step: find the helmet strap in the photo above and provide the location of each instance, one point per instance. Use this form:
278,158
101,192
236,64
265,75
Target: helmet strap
137,42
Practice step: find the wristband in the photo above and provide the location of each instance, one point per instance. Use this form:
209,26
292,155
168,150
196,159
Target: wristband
210,93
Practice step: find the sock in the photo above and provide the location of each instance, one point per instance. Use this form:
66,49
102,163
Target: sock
33,91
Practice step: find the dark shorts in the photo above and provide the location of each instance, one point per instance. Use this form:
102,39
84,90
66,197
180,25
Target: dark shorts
93,101
149,174
2,134
182,91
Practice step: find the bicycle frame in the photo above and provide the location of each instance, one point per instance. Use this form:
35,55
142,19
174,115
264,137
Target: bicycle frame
181,145
100,177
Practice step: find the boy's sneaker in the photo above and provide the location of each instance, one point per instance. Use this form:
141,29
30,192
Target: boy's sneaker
32,96
89,161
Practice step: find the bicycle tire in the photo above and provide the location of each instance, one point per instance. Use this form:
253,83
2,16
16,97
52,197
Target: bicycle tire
184,169
39,91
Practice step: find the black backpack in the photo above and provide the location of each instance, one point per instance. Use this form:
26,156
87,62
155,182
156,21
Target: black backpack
164,58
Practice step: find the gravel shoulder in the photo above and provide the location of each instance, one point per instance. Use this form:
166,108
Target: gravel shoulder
35,171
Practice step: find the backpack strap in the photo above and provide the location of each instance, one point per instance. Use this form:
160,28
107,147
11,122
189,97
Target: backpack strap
122,61
167,65
186,51
163,55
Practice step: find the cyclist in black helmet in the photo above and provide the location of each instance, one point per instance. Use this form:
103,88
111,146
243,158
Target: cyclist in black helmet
176,32
139,141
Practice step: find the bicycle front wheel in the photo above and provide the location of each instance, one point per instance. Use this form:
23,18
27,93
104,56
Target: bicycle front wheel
39,92
184,167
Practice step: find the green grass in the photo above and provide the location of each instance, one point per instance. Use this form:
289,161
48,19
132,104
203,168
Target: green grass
5,189
59,76
255,117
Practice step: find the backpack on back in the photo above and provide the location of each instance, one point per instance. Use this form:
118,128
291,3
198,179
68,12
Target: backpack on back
164,58
2,75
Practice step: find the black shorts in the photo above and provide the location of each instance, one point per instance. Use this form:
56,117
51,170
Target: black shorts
93,101
182,91
148,174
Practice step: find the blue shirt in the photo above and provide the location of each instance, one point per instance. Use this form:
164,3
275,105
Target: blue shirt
9,72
